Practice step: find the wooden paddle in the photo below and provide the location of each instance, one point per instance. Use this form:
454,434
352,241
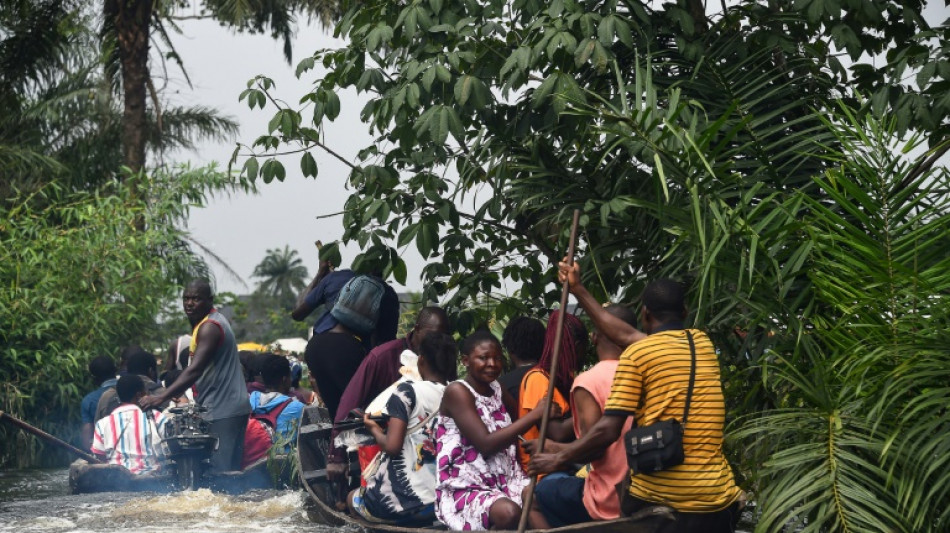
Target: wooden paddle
552,372
48,438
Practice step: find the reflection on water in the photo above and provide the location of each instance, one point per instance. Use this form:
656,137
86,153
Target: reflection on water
37,501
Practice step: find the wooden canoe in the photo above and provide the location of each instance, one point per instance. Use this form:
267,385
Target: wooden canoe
312,448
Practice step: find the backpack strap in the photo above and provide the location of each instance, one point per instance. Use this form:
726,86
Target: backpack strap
271,416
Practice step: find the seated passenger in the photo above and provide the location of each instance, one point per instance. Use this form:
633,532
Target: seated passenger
102,369
129,436
168,378
652,383
379,370
251,365
400,482
139,363
275,416
306,397
479,478
534,385
523,340
562,499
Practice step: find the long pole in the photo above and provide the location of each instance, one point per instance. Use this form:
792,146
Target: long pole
48,438
552,372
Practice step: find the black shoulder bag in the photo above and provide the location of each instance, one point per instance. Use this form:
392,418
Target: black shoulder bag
659,446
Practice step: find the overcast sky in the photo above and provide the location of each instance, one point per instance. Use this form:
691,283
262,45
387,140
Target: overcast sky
241,228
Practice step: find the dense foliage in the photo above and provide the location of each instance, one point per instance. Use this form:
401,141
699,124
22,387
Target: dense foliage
734,150
79,280
477,158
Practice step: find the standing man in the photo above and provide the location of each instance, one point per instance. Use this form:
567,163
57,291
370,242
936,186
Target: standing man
650,384
324,290
215,374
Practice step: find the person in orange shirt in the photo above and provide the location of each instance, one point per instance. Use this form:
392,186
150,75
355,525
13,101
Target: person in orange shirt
534,385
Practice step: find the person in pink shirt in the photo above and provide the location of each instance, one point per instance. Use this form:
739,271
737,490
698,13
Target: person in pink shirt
129,436
563,498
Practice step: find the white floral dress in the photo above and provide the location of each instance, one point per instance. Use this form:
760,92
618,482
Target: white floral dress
469,483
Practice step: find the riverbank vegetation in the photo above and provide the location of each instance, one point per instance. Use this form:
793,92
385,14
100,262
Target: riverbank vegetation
90,252
787,159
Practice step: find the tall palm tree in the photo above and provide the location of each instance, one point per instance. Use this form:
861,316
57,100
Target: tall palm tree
282,275
129,25
61,119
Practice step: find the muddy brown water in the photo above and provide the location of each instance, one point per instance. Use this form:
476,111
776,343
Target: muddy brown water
36,501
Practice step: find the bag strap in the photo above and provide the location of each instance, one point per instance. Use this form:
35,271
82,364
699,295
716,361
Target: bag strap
692,374
422,423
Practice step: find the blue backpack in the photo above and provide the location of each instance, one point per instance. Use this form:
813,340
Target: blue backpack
357,306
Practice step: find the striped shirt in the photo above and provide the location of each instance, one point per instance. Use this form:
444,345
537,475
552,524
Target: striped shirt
128,437
651,382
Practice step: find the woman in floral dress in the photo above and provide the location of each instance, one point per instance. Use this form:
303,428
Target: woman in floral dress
479,478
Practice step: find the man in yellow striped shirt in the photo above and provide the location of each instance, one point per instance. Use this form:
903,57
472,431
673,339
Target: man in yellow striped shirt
650,384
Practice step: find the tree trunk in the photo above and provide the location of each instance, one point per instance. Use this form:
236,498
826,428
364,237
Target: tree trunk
132,20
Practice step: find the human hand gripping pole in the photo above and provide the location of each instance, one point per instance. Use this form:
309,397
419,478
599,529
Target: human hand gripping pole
565,289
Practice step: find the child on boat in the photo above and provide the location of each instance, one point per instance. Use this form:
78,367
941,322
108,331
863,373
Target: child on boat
400,482
129,436
479,478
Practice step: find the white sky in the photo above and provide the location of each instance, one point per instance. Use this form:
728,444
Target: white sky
241,228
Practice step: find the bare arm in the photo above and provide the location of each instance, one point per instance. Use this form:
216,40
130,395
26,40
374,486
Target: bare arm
85,434
392,439
586,410
591,446
209,335
172,355
459,404
618,331
302,308
560,429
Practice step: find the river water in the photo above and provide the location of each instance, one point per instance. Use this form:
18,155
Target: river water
38,501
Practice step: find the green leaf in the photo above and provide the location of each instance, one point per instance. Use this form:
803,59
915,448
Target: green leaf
251,167
428,78
308,165
443,74
584,51
399,270
544,90
304,65
332,105
463,89
407,234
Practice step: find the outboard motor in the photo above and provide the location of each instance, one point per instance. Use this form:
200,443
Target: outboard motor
190,444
